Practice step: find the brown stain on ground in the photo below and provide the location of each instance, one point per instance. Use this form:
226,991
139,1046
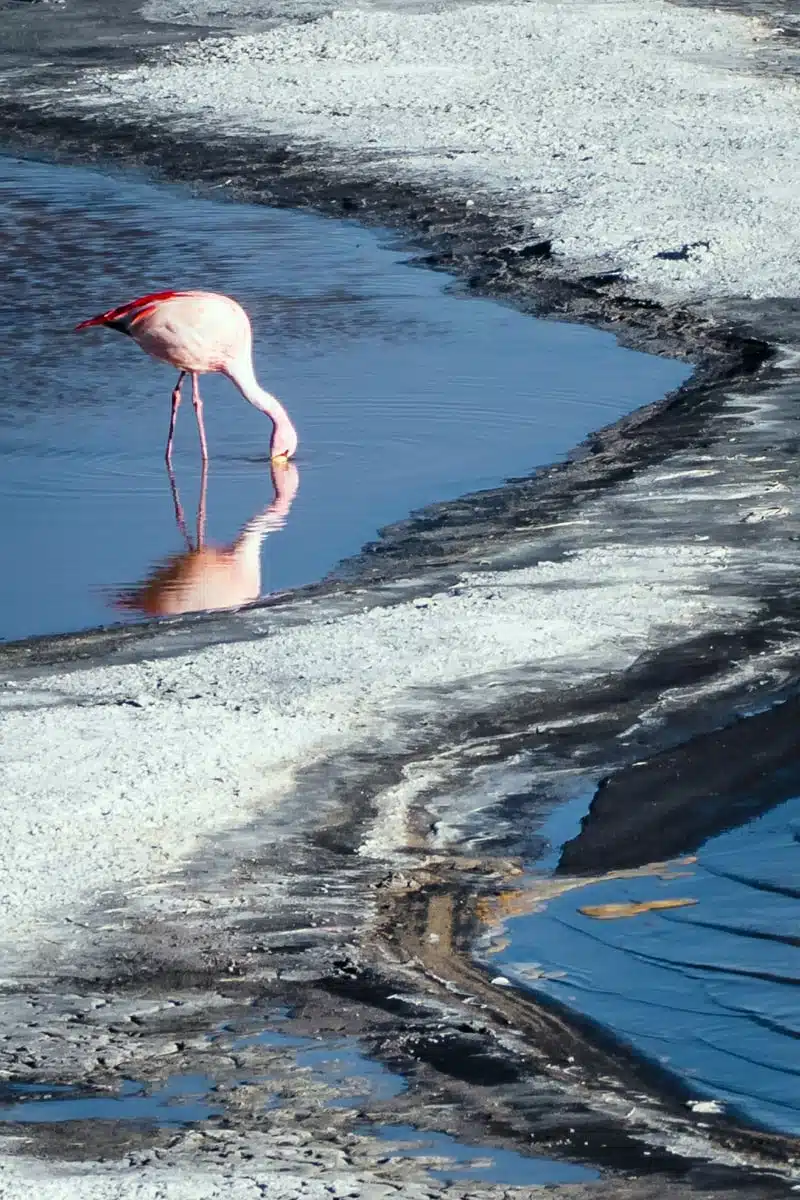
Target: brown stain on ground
493,909
613,912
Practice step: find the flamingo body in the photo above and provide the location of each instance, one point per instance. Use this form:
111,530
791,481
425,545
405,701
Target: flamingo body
198,332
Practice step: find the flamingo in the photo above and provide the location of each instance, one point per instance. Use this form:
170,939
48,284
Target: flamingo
196,332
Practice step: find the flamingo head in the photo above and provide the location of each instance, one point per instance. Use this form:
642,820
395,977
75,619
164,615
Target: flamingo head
284,441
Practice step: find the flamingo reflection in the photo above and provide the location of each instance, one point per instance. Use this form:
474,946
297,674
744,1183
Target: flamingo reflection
204,577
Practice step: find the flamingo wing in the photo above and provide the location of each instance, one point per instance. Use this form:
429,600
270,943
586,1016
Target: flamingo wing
122,318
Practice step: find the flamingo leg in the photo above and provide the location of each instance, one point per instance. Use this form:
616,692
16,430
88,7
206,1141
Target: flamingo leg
198,412
176,399
201,506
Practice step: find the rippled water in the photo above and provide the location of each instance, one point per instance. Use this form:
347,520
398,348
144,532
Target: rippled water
403,394
707,992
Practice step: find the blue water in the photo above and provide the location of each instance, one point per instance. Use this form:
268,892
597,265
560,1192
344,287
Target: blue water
478,1164
403,392
181,1100
338,1063
710,993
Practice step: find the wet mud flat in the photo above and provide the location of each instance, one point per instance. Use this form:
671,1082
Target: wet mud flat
418,837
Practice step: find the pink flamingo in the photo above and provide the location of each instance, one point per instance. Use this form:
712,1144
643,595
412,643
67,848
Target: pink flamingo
198,332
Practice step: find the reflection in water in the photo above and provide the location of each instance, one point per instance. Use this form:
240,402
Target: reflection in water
206,577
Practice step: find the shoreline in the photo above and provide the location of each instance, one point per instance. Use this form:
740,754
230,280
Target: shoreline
696,677
721,357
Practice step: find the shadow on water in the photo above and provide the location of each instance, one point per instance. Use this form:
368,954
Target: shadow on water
348,1079
706,991
403,392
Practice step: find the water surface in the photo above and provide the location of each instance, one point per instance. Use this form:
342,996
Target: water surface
707,992
403,394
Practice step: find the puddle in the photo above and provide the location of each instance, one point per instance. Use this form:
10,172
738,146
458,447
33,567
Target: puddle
341,1075
477,1164
333,1072
403,394
181,1100
708,992
338,1064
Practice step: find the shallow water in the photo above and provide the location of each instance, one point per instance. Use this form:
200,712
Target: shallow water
340,1063
403,394
180,1100
337,1067
477,1164
707,992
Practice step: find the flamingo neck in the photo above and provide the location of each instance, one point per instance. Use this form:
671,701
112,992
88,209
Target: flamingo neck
243,376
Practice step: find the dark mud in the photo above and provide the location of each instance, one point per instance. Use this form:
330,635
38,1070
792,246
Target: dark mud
679,799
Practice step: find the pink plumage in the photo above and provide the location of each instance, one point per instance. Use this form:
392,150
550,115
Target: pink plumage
199,332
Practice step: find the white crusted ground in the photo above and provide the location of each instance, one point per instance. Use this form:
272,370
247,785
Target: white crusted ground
112,777
25,1179
109,793
190,1178
622,127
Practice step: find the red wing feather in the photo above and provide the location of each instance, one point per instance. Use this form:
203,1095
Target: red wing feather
128,310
